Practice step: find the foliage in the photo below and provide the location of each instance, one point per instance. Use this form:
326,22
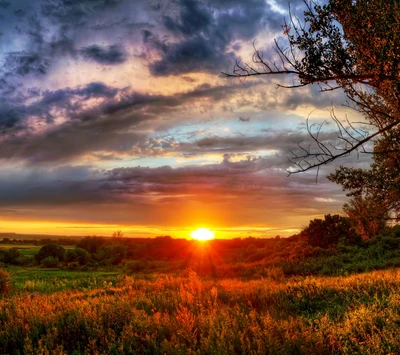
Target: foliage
111,254
50,250
328,232
77,255
368,215
11,255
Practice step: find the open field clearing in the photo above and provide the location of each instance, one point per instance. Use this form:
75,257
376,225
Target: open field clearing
116,314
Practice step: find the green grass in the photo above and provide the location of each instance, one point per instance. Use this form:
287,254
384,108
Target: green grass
53,280
25,249
28,249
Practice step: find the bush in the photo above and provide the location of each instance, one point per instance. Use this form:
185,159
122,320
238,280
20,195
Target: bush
79,255
111,254
11,255
4,282
50,250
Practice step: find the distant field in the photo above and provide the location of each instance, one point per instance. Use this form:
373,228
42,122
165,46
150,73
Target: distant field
35,236
28,249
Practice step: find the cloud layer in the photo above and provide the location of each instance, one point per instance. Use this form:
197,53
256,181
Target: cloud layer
121,102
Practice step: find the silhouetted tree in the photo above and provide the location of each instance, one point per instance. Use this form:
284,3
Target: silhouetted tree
330,231
118,234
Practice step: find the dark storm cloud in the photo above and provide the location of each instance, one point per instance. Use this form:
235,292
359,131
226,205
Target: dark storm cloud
193,19
23,63
251,181
204,31
41,44
37,185
15,114
62,97
103,127
10,115
194,55
75,12
110,55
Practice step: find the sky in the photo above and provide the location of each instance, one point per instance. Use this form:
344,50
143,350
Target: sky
114,115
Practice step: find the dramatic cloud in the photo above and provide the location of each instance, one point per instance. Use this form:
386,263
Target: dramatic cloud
204,32
115,111
110,55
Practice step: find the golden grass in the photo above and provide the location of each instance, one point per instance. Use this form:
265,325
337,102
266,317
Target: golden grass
358,314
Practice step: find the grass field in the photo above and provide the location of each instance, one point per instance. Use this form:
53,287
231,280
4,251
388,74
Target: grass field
27,249
52,280
110,313
226,297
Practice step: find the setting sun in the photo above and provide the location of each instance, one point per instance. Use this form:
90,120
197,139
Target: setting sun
202,234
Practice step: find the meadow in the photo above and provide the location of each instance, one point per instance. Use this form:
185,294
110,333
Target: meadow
167,296
164,314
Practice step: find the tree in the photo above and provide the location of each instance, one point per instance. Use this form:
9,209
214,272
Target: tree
50,250
11,255
330,231
380,185
118,234
352,45
367,215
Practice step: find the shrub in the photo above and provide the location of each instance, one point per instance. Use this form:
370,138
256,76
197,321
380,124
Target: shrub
50,250
79,255
11,255
111,254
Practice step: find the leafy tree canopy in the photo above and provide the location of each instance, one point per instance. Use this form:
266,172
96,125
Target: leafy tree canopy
331,230
50,250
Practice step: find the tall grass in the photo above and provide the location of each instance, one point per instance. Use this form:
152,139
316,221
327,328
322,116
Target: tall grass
358,314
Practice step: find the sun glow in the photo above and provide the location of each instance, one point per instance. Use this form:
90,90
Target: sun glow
202,234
